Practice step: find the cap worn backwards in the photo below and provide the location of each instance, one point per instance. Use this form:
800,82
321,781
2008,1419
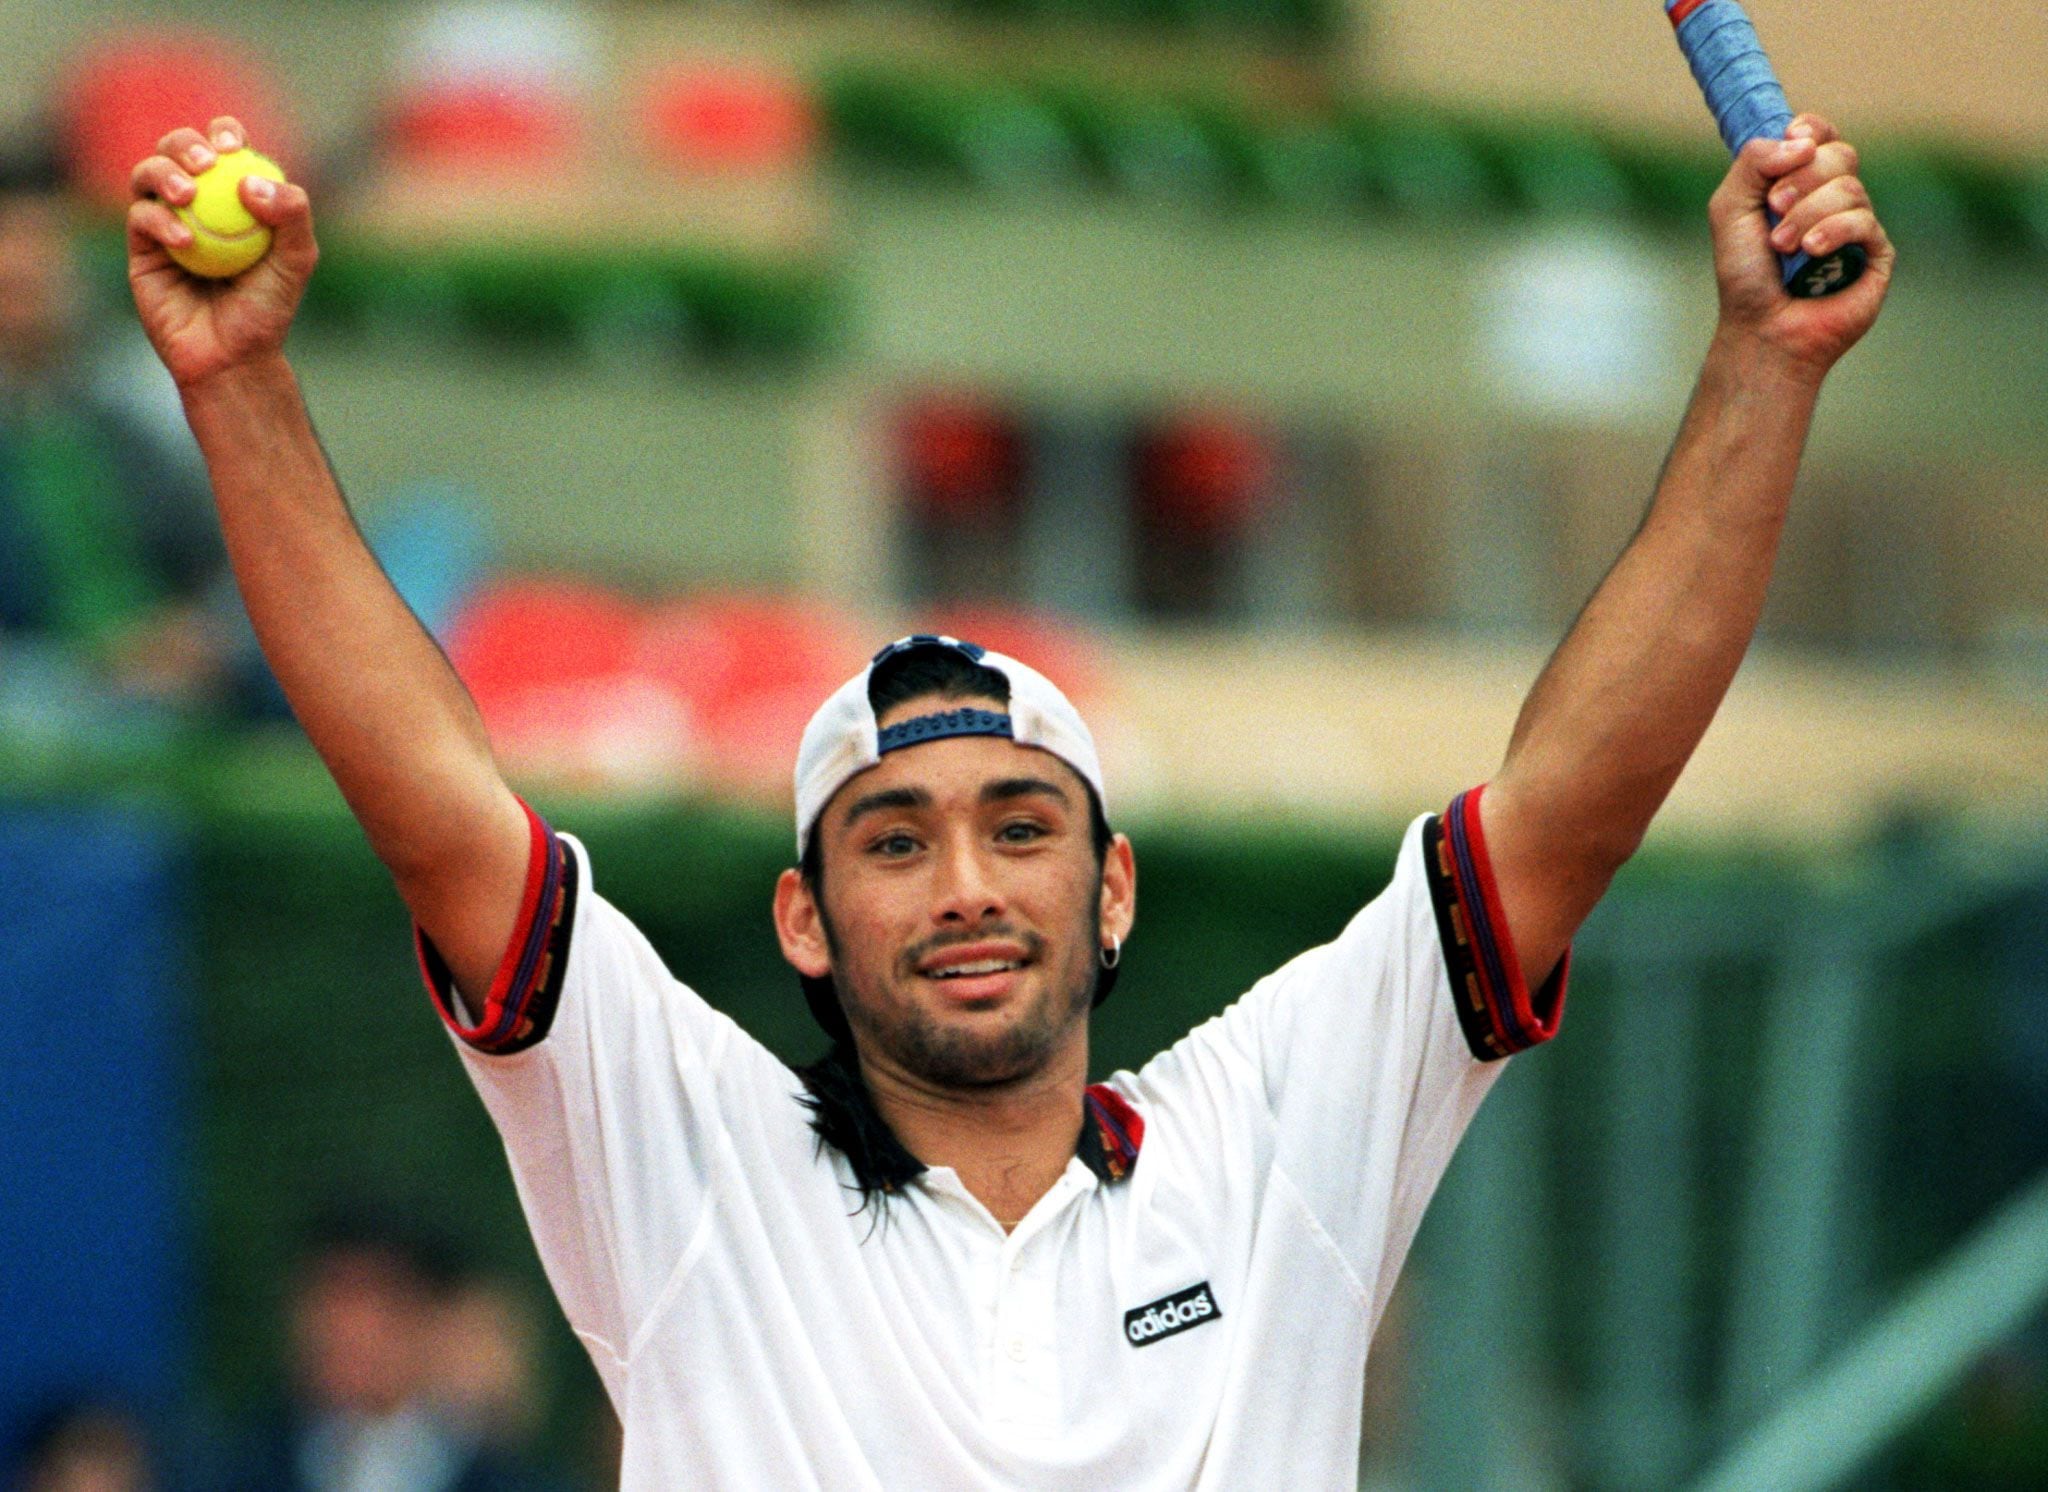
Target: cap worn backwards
844,738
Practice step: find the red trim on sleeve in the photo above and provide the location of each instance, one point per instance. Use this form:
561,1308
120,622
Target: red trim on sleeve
1681,10
504,1023
1495,1009
1534,1022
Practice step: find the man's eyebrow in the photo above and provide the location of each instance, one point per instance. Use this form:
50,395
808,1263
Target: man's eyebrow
1023,787
893,797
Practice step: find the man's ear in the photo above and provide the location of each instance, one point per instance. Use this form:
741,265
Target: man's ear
800,927
1119,889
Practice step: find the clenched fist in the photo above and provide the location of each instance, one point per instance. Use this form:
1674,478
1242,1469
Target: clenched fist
1809,179
203,327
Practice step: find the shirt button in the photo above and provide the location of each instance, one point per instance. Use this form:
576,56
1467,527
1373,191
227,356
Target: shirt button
1017,1349
1016,1262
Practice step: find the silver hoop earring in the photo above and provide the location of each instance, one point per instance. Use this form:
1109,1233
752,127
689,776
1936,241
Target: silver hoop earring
1113,954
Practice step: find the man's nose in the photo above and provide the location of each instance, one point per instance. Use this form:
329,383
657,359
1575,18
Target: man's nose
967,889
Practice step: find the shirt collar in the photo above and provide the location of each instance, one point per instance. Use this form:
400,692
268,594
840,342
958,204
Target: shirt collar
844,1117
1111,1132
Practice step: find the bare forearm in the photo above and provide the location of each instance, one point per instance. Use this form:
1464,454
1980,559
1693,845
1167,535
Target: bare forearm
380,703
373,692
1626,698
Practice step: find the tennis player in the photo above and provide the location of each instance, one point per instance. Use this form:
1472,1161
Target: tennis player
939,1258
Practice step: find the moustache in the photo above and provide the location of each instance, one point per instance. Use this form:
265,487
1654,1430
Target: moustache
1032,943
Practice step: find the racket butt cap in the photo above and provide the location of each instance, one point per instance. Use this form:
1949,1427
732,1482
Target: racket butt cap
1809,278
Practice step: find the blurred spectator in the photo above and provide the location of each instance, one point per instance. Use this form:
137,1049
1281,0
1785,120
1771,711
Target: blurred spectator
109,562
481,1373
1203,480
405,1380
82,1446
962,469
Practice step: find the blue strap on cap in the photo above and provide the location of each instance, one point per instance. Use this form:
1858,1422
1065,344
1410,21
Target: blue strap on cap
963,722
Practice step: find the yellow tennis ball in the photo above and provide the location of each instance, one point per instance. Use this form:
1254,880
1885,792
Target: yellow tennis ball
225,239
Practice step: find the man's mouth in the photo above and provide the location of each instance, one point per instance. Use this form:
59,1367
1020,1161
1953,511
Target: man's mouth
982,970
978,966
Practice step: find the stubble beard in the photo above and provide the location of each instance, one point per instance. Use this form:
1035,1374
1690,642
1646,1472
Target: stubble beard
946,1054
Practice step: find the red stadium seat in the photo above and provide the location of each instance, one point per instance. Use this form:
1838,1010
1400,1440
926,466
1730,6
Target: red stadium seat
522,632
118,97
752,670
728,118
481,125
552,666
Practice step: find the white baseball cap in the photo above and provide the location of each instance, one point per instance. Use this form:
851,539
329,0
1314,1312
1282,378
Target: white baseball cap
844,738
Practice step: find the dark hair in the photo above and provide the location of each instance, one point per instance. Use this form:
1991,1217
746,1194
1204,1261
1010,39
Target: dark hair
351,1229
62,1427
842,1114
30,166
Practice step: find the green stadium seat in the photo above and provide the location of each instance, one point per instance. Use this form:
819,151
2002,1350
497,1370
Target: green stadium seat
1555,167
1668,181
1922,203
1419,162
1006,138
1150,147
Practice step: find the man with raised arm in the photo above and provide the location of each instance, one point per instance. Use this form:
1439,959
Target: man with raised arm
939,1257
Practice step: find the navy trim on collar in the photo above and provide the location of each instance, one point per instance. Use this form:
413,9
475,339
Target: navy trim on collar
1112,1135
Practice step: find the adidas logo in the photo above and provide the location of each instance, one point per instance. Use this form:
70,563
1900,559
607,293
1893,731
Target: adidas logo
1182,1311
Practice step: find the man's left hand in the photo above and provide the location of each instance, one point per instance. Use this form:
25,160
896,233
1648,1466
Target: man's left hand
1809,178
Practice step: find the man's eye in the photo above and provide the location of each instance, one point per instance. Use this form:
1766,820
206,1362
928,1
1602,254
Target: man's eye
893,844
1020,832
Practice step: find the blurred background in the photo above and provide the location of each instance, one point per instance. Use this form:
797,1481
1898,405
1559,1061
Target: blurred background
1280,376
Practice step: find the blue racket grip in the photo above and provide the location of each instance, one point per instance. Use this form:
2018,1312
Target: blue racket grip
1747,102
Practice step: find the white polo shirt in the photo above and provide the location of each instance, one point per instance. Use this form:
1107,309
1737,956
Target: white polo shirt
1200,1320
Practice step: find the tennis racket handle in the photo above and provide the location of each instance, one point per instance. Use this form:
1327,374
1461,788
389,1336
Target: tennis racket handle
1748,104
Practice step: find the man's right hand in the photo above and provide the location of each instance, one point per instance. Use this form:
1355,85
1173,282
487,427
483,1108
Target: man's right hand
202,327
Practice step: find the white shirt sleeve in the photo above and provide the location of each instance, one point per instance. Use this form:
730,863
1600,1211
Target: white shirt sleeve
1371,1053
596,1067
